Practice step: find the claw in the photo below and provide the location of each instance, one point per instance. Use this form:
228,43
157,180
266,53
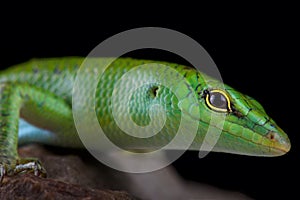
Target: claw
23,166
31,166
2,172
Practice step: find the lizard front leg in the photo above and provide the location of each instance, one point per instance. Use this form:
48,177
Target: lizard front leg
40,108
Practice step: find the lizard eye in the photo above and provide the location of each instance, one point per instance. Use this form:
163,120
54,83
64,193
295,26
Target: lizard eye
218,100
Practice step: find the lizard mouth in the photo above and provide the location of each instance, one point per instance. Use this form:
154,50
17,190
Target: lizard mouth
281,148
280,145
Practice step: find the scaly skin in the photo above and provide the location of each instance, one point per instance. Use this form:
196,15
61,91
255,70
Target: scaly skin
40,91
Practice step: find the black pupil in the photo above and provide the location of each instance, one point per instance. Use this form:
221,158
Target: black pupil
218,100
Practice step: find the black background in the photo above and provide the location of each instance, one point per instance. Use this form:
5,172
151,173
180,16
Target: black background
254,48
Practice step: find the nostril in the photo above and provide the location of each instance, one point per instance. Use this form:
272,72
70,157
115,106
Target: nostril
271,135
279,141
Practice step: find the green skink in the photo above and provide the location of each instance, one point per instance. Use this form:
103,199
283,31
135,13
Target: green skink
40,92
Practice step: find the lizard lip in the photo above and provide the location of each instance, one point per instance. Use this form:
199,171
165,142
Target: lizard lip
282,147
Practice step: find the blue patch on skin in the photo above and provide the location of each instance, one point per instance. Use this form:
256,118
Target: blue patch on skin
30,133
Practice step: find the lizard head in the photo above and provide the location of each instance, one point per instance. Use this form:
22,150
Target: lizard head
247,128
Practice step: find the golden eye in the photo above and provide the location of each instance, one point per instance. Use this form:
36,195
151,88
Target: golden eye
218,100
